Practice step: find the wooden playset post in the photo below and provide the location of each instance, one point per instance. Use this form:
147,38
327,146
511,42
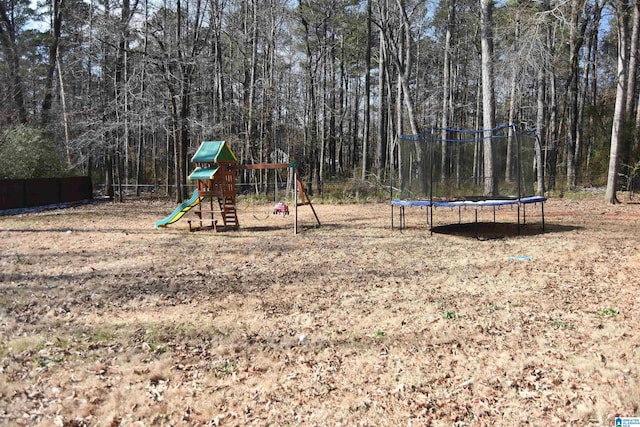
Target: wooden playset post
305,200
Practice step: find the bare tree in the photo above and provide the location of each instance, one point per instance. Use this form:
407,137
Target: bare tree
56,29
447,90
8,33
398,47
311,135
577,29
513,87
383,105
138,93
621,7
633,59
488,96
367,96
180,38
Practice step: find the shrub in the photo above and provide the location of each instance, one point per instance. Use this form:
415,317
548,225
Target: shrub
28,152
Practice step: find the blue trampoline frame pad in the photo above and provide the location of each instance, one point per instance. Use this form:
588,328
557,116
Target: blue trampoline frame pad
468,204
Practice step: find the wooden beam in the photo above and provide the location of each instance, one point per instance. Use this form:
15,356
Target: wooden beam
262,166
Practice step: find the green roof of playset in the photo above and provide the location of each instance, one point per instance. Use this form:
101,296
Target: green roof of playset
204,173
211,153
214,152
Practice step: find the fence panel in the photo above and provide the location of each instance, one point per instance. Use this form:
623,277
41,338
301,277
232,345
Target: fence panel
23,193
12,193
75,188
42,191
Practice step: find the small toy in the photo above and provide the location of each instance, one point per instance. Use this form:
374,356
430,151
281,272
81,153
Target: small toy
282,208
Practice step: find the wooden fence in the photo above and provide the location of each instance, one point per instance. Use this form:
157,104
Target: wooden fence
25,193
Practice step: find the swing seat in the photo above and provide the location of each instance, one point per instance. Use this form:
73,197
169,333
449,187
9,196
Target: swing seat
282,208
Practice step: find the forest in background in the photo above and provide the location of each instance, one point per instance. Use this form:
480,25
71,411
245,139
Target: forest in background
125,90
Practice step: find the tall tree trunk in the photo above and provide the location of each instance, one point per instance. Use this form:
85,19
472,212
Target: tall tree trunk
121,81
636,11
336,102
343,101
488,97
250,83
513,84
585,141
631,77
552,134
381,147
391,125
593,84
398,121
404,68
356,120
65,116
326,111
107,97
477,146
540,130
633,60
312,130
56,27
367,97
400,54
169,148
185,112
576,40
446,88
108,178
143,98
179,79
218,95
618,114
177,151
8,41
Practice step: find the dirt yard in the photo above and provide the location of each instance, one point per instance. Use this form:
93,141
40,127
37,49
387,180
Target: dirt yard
106,321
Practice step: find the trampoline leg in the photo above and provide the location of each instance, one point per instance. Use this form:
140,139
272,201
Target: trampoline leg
392,217
476,223
494,214
431,220
542,207
519,217
459,215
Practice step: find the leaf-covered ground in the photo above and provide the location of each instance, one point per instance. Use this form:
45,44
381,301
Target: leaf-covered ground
106,321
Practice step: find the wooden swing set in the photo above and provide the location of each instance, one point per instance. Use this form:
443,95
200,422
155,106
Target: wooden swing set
300,195
215,196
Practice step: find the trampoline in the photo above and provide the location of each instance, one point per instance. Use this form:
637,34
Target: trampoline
443,168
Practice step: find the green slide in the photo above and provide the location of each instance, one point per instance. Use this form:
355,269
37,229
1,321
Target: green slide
180,210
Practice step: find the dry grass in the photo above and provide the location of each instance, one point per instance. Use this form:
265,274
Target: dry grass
107,321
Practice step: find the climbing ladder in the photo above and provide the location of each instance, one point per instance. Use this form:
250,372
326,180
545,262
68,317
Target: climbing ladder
228,213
